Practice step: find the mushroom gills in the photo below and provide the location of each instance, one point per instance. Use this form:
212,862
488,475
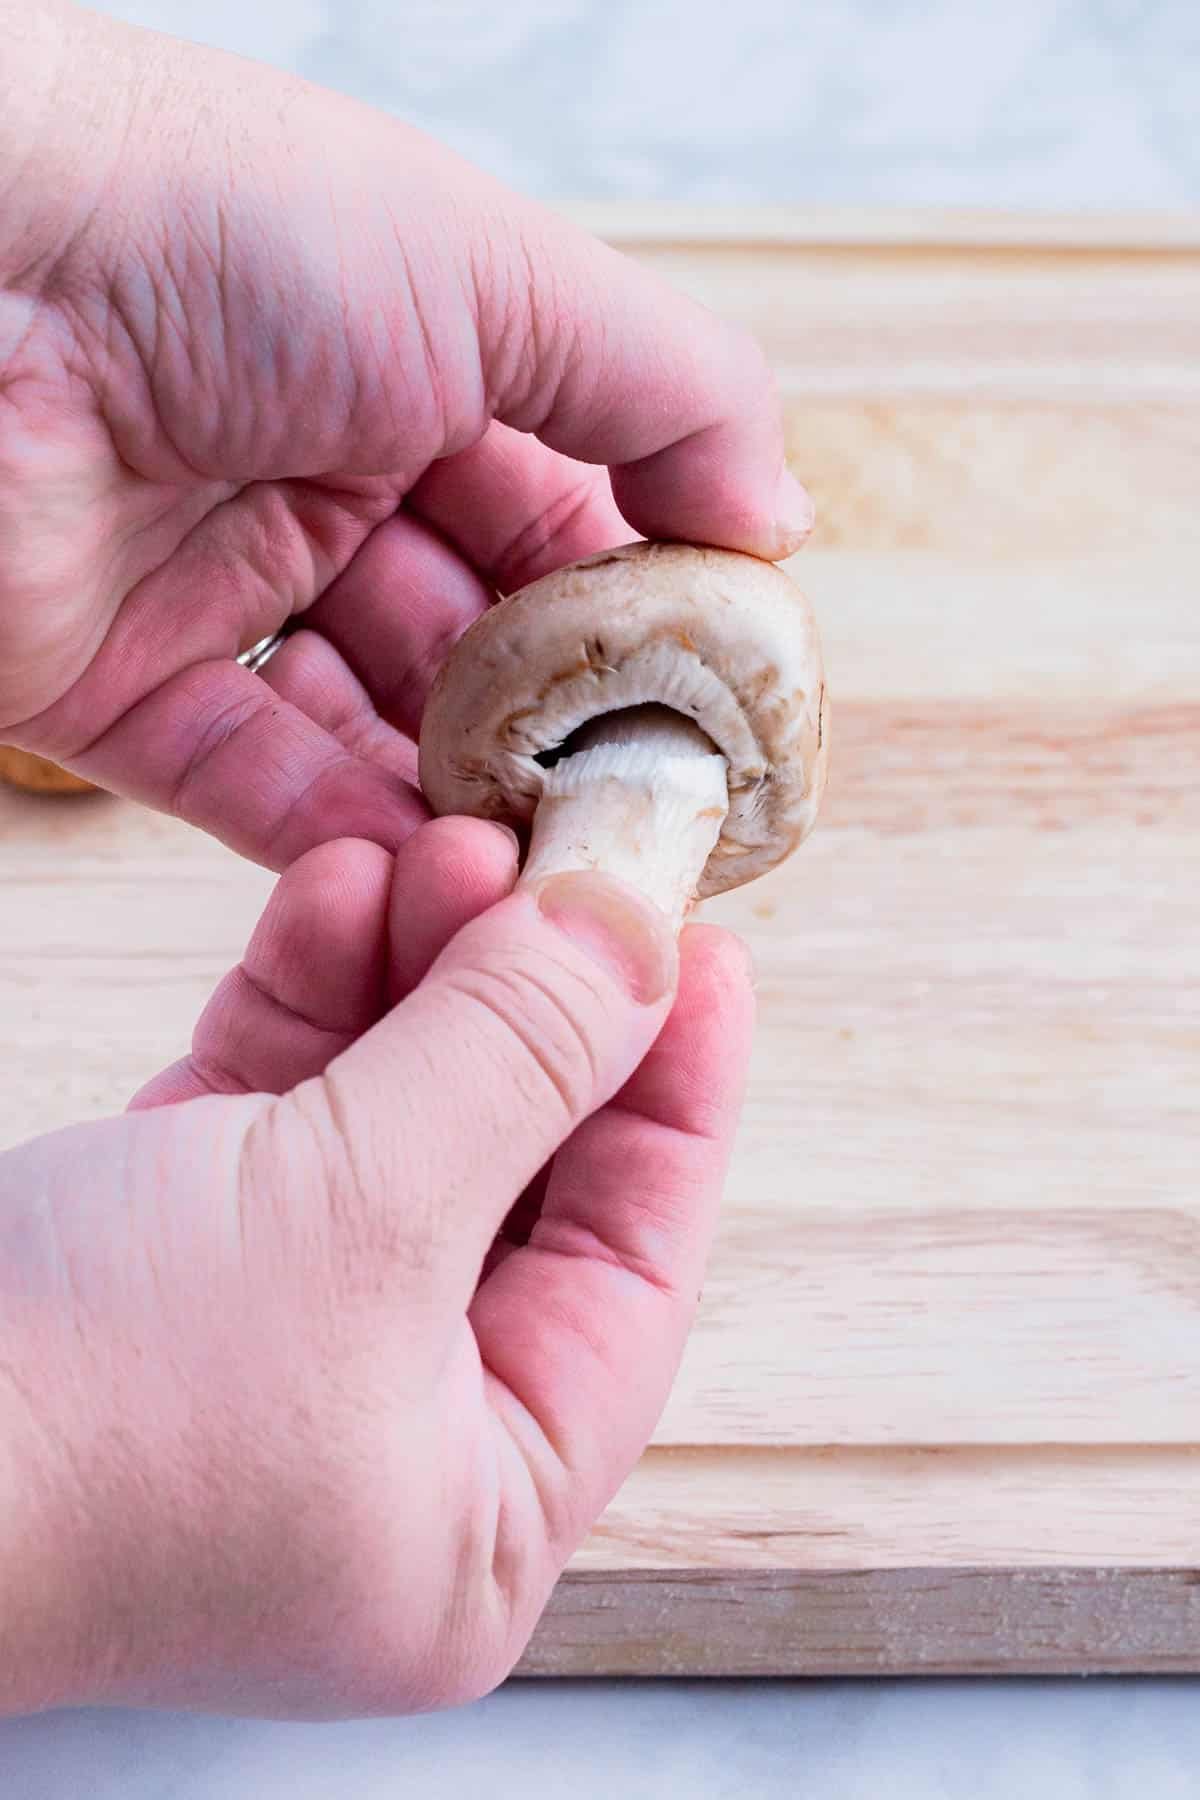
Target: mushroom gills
640,794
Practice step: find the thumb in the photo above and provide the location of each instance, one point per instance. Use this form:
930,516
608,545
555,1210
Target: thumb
534,1015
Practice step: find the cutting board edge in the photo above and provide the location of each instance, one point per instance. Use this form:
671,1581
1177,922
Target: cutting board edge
870,1622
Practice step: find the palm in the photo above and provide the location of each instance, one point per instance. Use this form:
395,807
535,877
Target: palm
136,571
313,365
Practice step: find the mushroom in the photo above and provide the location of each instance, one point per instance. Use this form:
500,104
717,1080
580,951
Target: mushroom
656,712
22,769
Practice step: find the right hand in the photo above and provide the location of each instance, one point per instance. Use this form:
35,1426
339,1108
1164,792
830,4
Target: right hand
291,1419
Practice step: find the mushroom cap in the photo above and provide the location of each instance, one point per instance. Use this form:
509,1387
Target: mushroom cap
723,638
22,769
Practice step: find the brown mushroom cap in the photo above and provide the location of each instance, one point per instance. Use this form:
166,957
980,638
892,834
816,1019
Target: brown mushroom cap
22,769
720,637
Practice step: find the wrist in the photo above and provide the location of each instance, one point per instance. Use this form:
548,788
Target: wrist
38,1660
54,1637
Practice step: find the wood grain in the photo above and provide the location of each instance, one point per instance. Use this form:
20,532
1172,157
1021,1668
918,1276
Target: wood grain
825,1510
942,1406
968,390
872,1622
652,225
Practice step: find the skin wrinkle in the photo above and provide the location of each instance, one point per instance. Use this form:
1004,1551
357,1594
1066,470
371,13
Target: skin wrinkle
10,298
423,671
710,1132
108,375
529,1090
250,1155
304,802
569,1312
518,1415
318,580
110,290
205,273
354,717
217,732
380,1237
87,651
501,321
469,1549
531,316
502,1530
198,350
360,732
489,979
436,431
209,240
534,543
310,672
569,1238
582,370
291,1011
213,1076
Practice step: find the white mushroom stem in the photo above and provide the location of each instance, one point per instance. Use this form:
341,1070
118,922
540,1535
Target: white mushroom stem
641,795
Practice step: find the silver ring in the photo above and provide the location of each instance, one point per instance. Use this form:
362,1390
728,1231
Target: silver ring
260,654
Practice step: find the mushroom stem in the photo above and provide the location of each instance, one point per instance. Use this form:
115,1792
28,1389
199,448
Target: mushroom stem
640,794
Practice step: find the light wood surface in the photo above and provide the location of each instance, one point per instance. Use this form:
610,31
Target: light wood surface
651,224
942,1406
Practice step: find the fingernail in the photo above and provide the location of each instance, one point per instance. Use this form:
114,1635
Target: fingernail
629,938
795,514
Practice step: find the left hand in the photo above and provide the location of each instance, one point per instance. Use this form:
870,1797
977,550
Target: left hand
266,353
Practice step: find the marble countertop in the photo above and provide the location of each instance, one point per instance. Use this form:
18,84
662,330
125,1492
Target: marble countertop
1045,103
930,1740
1032,103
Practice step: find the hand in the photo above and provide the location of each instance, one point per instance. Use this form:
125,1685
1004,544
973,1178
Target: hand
287,1423
265,353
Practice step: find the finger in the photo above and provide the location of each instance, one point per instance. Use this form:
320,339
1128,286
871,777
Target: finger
618,368
323,963
216,747
446,875
532,1017
396,612
164,715
519,1222
584,1326
516,510
311,981
310,674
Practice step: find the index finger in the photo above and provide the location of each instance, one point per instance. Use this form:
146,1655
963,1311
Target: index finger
619,368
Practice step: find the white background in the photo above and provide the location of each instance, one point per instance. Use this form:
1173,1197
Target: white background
1055,103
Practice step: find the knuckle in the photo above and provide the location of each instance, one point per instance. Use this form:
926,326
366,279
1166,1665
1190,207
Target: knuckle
545,1014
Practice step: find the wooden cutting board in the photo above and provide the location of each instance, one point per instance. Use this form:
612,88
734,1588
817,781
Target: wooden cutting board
942,1407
